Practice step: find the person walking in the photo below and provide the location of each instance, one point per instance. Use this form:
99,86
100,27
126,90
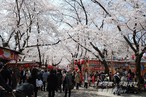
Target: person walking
32,80
63,78
51,84
45,76
3,85
77,79
59,77
86,79
25,89
68,83
23,75
117,80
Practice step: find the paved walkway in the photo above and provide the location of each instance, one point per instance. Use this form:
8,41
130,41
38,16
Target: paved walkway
91,92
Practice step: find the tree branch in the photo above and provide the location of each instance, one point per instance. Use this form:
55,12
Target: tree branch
95,1
43,44
57,63
129,43
83,46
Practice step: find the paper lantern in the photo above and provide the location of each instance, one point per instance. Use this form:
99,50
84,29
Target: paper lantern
76,69
78,62
82,61
1,52
75,62
50,67
26,65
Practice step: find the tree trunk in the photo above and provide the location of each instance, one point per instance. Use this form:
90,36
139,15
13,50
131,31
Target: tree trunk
40,59
138,69
106,70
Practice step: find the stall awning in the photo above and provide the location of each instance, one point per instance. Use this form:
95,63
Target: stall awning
24,64
8,54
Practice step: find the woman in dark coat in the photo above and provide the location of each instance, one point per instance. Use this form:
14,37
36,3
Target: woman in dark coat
32,80
51,83
68,83
59,82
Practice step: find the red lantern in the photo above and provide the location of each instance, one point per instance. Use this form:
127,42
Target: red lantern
26,65
82,61
1,52
75,62
78,62
76,68
50,67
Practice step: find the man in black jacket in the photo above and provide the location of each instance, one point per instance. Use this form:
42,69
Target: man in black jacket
68,82
59,77
3,86
25,89
52,84
117,80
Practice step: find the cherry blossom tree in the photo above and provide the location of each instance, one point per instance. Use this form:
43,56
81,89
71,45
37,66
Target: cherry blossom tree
134,33
72,29
132,27
24,25
90,28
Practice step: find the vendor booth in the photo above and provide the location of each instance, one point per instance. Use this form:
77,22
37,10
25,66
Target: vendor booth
7,55
24,64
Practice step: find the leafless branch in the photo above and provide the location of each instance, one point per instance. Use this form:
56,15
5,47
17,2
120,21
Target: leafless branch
97,2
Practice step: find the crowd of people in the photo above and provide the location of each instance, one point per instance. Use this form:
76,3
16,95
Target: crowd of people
30,81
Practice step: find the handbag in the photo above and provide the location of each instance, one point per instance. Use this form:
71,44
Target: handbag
39,83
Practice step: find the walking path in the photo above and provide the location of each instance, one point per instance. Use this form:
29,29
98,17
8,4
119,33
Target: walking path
91,92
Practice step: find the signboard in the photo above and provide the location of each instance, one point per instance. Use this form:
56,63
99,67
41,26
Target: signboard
95,65
93,62
25,64
8,54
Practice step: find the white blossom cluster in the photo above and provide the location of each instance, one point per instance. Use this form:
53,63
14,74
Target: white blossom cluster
46,22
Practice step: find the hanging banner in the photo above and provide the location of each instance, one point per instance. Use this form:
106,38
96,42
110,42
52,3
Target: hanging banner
8,54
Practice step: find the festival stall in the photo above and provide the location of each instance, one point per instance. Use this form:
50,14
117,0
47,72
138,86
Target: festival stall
133,67
89,65
7,55
24,64
95,65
